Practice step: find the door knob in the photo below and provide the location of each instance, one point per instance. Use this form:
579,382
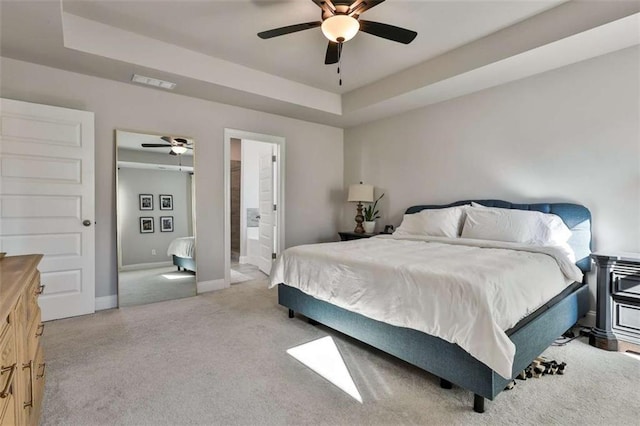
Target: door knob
86,222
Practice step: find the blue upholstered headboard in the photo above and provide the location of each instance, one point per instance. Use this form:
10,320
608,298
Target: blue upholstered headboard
576,217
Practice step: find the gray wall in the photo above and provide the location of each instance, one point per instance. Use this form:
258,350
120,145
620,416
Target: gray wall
567,135
137,247
313,153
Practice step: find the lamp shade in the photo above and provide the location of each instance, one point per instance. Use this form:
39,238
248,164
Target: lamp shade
340,28
178,149
361,193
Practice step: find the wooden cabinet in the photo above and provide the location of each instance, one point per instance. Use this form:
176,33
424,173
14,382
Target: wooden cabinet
22,366
618,302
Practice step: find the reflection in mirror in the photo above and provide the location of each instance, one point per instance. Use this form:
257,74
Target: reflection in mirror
156,222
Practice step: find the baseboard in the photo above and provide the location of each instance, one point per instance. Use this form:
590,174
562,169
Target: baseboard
243,259
139,266
205,286
589,320
106,302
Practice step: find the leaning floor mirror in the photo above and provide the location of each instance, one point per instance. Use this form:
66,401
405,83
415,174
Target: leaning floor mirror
155,217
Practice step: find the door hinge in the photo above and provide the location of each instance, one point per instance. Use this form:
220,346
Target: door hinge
273,158
274,207
273,256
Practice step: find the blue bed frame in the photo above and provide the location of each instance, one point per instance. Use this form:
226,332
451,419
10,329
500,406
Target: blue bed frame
452,364
187,263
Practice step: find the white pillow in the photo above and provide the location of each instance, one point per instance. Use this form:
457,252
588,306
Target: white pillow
551,231
512,225
445,222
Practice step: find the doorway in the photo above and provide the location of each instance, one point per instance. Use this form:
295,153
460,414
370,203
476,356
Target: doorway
254,204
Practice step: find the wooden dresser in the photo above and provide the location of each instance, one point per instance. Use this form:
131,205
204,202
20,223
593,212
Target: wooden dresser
22,366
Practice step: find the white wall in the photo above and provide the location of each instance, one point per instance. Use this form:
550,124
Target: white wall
314,156
137,247
572,134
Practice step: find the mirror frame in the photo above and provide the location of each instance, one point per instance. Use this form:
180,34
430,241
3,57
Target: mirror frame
117,206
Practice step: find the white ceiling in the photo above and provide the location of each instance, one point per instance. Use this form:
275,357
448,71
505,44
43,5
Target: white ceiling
227,30
210,48
134,141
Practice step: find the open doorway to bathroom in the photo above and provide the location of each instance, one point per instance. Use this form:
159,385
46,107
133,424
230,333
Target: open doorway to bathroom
254,204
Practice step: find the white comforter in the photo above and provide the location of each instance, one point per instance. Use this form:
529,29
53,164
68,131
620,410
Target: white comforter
464,291
183,247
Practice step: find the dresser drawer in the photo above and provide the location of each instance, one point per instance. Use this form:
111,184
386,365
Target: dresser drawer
39,375
626,283
5,325
626,318
36,330
8,415
31,304
8,371
8,355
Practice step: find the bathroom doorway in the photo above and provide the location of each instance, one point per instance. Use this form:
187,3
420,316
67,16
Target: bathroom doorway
255,201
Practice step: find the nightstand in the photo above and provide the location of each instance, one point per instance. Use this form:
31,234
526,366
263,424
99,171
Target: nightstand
618,300
347,236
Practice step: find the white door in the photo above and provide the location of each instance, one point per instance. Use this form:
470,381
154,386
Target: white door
267,213
46,193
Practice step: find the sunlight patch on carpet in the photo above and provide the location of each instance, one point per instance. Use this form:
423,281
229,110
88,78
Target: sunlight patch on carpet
633,355
176,276
323,357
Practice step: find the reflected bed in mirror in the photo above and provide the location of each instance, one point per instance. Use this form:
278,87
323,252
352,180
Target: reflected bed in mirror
155,215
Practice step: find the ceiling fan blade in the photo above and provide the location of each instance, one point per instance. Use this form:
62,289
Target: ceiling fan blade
360,6
390,32
333,53
288,29
154,145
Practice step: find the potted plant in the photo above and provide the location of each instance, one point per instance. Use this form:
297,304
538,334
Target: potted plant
370,216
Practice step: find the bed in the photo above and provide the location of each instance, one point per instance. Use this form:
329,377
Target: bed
529,336
183,252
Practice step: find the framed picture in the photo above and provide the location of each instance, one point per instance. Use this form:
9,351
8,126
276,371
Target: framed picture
166,223
166,202
146,201
146,225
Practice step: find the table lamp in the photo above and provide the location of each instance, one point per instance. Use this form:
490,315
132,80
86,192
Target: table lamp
360,193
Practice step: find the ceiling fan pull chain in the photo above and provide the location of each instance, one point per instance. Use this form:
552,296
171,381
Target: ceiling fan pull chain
339,63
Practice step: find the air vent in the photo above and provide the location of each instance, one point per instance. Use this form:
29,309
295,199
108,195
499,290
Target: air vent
153,82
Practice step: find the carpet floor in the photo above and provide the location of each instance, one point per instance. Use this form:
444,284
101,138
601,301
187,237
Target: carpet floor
219,358
154,285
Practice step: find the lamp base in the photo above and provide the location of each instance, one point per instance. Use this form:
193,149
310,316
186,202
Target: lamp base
359,219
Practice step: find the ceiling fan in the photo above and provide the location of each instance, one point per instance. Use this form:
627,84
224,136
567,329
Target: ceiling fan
341,22
178,145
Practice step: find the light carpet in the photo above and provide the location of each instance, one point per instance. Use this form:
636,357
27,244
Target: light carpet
154,285
220,358
238,277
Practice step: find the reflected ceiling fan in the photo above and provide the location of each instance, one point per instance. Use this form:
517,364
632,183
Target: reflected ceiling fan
178,145
341,22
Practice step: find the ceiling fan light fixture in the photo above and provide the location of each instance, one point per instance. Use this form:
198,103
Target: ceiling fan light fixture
340,28
179,149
